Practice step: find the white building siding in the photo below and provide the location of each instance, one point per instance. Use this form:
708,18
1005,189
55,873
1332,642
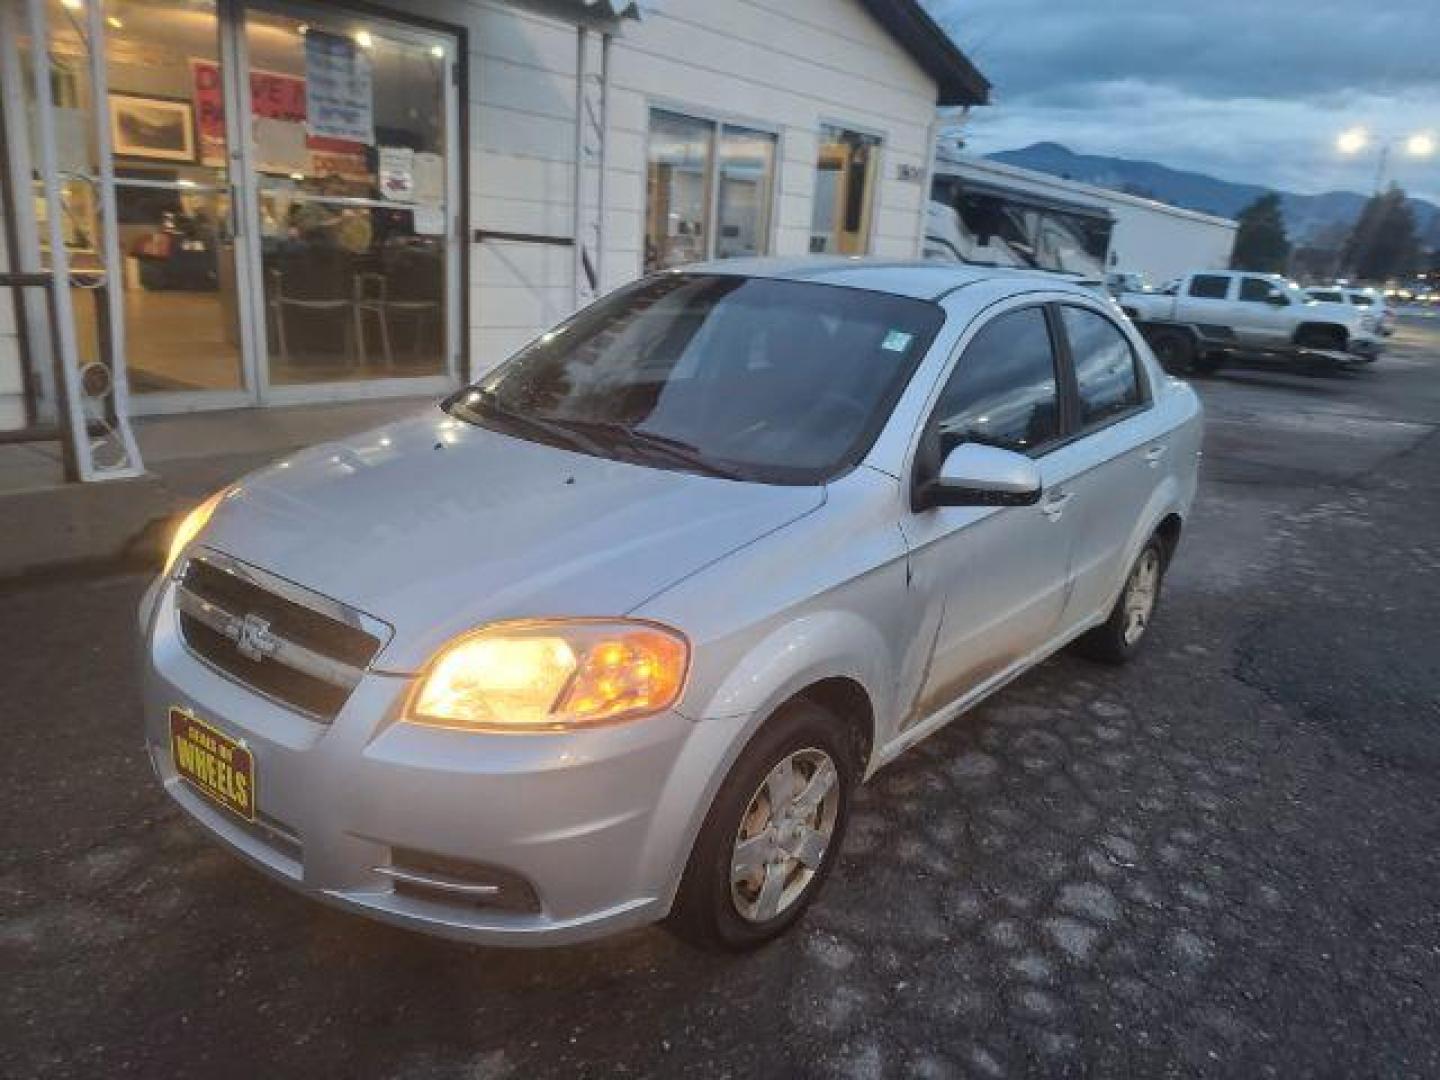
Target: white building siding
782,66
12,385
787,67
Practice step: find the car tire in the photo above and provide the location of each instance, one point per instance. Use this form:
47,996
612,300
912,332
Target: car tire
1120,636
1205,363
720,908
1175,349
1321,336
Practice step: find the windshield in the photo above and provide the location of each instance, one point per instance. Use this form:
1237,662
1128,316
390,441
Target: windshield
775,381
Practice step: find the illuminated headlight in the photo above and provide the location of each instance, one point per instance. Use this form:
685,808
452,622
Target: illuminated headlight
191,526
551,675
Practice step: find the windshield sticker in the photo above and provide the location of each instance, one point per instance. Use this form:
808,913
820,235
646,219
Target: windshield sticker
897,341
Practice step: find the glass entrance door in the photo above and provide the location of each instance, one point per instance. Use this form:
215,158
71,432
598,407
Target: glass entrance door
351,161
179,275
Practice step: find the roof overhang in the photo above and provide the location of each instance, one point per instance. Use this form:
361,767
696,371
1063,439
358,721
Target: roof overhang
958,81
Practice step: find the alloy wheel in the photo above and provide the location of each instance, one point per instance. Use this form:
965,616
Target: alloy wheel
1140,594
784,834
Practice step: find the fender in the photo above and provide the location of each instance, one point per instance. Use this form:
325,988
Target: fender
793,655
1166,499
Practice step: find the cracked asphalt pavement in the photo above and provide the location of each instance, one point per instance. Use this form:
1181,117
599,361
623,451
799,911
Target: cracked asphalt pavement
1223,859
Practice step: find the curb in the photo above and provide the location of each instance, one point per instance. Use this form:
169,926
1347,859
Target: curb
73,528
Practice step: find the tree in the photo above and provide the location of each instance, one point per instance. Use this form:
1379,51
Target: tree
1383,243
1261,244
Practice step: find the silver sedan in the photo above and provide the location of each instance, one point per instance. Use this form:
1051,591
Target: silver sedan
613,635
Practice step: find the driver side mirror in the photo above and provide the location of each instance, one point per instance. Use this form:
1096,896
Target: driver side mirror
977,475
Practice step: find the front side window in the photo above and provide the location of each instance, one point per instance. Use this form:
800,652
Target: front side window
1359,299
1323,294
1105,368
846,173
708,191
1003,390
1209,286
775,381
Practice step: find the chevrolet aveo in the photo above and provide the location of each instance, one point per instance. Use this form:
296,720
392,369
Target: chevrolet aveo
614,635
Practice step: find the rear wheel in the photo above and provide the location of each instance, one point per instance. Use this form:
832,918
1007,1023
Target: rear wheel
1175,349
1119,637
771,836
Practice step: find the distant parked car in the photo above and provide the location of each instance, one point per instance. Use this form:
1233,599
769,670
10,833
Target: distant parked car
1194,323
1371,301
616,634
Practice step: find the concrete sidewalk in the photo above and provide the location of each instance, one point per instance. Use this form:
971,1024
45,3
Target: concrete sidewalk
48,525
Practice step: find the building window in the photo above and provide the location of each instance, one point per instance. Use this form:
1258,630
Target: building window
707,191
845,176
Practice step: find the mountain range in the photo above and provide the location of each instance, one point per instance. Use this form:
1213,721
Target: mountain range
1323,219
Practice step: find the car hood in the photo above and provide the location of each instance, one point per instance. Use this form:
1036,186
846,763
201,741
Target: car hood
437,526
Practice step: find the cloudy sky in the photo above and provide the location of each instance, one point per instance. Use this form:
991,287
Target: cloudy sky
1245,90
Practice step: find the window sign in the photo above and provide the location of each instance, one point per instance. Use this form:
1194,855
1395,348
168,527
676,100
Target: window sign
338,88
429,177
397,173
277,104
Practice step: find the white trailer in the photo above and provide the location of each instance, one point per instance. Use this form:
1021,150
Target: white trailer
976,201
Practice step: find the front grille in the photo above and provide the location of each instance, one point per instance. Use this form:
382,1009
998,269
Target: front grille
298,647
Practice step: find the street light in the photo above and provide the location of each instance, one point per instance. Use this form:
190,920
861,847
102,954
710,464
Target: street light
1353,140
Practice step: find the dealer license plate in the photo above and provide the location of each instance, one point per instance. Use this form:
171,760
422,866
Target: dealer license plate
222,769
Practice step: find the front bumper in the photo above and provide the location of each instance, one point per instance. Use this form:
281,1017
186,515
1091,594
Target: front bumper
1365,347
596,824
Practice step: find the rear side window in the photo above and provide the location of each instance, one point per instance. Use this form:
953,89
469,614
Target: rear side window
1359,299
1003,391
1106,375
1209,286
1321,294
1258,289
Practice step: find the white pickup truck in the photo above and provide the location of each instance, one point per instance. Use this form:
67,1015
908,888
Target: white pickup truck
1193,323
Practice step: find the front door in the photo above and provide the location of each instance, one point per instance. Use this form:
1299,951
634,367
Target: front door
143,159
351,159
994,580
288,234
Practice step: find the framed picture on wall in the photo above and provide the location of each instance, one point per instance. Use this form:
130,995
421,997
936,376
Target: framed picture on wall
156,128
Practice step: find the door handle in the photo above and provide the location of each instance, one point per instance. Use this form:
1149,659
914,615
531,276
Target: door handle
1056,506
1154,454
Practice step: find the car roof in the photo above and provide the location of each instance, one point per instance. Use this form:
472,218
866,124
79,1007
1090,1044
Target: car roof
919,278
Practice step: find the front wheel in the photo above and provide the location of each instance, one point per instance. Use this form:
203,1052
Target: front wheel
772,834
1119,637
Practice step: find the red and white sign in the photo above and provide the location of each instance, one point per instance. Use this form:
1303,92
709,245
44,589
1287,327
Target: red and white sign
273,96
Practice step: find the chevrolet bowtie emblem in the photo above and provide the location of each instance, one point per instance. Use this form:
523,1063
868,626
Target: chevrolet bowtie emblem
253,637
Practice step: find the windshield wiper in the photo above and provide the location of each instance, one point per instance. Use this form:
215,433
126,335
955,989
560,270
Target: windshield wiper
553,430
677,450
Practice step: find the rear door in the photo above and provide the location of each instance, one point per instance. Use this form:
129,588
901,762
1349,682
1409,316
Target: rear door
1119,453
1264,311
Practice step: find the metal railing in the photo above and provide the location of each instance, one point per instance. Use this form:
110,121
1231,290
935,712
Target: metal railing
97,404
